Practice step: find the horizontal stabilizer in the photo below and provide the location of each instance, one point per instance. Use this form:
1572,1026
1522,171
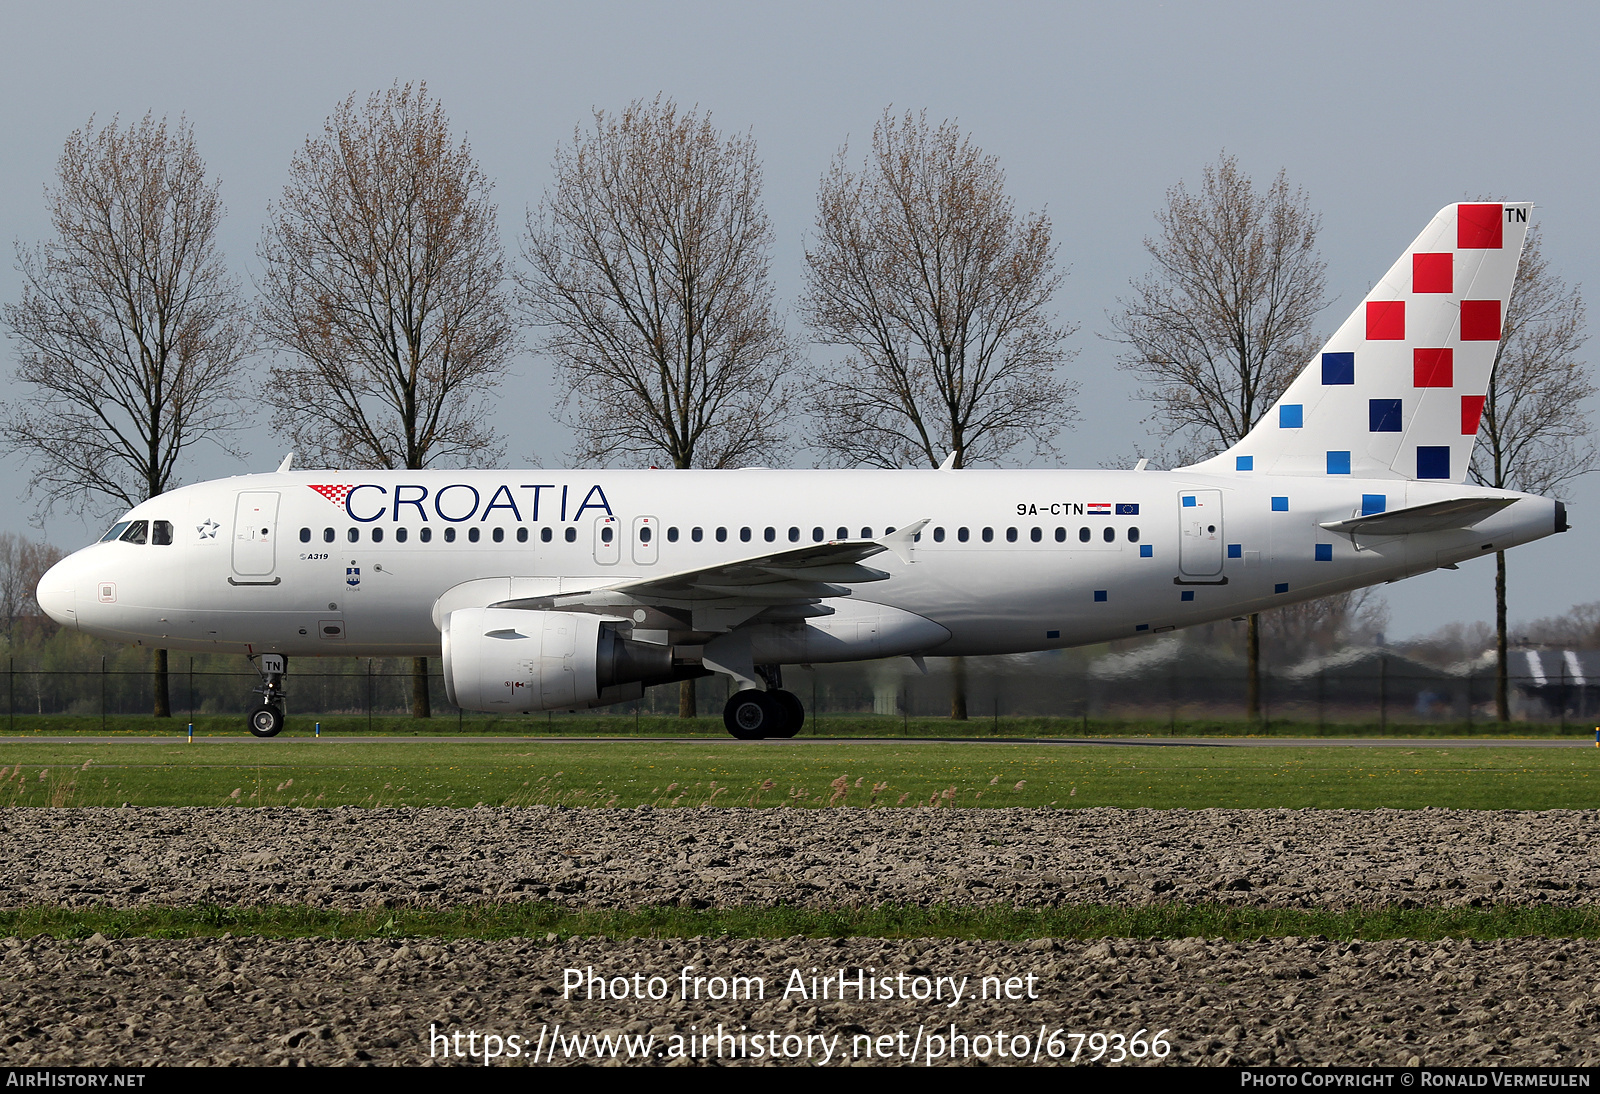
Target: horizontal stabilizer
1434,517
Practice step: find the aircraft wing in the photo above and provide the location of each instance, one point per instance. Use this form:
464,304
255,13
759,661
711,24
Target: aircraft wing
788,584
1434,517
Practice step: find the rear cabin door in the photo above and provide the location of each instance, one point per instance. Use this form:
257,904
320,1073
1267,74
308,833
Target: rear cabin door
255,532
1200,533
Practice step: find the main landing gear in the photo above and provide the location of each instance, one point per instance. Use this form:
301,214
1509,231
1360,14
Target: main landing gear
266,718
751,715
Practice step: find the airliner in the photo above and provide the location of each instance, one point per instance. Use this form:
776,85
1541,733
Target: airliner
572,589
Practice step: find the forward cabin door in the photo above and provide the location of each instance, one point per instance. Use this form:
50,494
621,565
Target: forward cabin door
255,532
1200,533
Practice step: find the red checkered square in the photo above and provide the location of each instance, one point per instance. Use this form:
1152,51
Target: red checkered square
1432,368
1471,414
334,493
1478,226
1386,320
1432,272
1480,320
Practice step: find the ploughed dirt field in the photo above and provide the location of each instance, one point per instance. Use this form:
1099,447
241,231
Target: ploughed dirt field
857,1001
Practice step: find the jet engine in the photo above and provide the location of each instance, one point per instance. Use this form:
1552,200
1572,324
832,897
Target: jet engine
507,659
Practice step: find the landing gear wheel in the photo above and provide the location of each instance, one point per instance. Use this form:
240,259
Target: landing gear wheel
751,715
266,720
794,713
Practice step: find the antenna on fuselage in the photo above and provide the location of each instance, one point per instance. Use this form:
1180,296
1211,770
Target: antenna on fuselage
288,462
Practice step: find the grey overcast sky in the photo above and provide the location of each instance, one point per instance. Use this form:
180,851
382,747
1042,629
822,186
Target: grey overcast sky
1383,112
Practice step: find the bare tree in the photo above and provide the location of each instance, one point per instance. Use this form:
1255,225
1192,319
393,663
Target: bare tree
936,290
383,282
1534,434
648,269
1223,322
938,293
130,330
23,562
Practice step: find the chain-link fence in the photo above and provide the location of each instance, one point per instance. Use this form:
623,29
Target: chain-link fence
1379,693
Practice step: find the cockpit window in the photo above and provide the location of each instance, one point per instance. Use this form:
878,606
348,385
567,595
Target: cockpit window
161,533
116,531
137,532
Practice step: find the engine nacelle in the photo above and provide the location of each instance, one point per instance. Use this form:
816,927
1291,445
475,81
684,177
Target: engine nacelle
506,659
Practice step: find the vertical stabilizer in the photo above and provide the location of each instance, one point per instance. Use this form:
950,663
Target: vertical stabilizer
1398,390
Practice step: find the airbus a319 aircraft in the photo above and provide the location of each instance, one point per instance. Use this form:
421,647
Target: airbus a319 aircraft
569,589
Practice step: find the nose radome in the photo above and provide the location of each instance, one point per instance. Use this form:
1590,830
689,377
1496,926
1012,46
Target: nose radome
58,593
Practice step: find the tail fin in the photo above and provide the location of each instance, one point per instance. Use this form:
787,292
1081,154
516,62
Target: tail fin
1398,390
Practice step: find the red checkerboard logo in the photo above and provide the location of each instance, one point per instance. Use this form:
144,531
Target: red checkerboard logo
1432,272
1386,320
334,493
1432,368
1478,227
1480,320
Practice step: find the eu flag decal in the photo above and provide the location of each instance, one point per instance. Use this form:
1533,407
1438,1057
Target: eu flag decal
1126,510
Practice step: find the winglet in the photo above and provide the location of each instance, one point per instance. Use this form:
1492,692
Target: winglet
899,541
949,463
288,462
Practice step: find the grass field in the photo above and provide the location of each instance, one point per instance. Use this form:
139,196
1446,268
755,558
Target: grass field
566,724
552,922
628,773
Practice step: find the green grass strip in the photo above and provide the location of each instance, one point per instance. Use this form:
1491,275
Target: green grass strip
550,922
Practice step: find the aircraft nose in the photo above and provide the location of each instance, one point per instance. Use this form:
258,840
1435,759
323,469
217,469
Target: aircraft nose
58,593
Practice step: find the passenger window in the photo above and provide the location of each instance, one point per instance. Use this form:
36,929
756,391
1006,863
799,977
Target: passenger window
816,535
1011,535
988,535
963,535
744,535
844,533
400,535
1109,535
353,534
866,533
644,534
115,531
377,535
1036,535
722,535
137,531
794,535
770,534
498,535
606,534
426,534
522,535
697,534
572,535
938,535
305,535
1133,535
327,535
472,534
1061,535
449,535
672,535
1083,535
545,535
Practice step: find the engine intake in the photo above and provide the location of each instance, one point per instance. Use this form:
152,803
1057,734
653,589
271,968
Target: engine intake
506,659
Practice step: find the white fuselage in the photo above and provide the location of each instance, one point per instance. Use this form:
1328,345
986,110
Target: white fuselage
335,563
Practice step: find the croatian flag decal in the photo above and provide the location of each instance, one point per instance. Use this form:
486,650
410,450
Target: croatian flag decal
1100,508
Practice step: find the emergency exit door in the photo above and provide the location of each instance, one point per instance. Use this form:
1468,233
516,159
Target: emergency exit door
1200,533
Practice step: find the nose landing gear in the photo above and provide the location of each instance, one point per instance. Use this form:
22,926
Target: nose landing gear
266,718
752,715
